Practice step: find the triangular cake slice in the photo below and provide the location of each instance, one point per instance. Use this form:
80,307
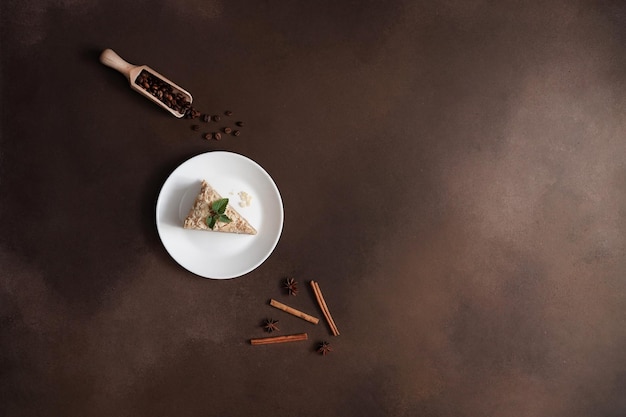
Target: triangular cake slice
196,219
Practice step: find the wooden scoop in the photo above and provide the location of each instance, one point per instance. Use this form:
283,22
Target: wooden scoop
180,100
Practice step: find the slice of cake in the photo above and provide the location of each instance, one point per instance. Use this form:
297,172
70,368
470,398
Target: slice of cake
213,213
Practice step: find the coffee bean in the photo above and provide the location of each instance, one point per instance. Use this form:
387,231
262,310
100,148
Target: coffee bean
228,113
163,91
206,118
195,127
217,135
189,111
236,133
240,124
217,118
208,136
227,130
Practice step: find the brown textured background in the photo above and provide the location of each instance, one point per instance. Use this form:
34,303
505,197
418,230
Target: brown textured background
453,174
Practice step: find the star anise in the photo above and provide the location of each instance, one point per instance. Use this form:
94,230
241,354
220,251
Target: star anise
324,348
292,286
270,325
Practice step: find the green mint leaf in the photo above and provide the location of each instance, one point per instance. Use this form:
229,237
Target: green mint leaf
219,206
210,221
224,218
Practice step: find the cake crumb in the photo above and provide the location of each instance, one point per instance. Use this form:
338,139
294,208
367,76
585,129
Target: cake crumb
246,199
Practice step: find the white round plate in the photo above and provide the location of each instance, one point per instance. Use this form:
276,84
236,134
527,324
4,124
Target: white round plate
214,254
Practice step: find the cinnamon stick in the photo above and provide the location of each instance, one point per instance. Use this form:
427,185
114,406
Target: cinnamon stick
324,307
279,339
293,311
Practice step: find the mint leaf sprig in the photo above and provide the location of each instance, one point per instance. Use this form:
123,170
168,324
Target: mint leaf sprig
217,213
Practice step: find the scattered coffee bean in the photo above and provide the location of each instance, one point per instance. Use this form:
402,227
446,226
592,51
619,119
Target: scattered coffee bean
192,113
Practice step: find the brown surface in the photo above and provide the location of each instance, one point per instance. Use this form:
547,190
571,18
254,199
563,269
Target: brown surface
453,174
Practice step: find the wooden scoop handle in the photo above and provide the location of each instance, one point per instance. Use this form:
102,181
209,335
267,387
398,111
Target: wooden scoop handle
113,60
